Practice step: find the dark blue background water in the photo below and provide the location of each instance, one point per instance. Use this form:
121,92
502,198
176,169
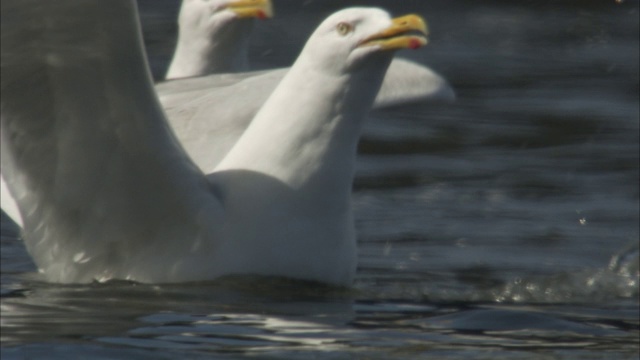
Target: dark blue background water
503,226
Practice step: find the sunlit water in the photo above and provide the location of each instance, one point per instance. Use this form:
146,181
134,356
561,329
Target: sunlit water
504,226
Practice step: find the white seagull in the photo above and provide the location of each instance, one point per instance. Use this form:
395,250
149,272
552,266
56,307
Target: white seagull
106,191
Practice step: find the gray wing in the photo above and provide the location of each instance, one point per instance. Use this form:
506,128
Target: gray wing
209,117
98,177
407,82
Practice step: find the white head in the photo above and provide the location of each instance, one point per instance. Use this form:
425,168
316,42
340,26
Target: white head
349,36
218,13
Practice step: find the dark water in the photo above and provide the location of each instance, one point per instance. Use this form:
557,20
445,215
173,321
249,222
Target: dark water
504,226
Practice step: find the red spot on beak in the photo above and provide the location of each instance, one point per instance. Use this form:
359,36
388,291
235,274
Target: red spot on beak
414,44
262,15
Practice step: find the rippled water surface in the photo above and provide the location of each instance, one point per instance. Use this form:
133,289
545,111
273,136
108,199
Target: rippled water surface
503,226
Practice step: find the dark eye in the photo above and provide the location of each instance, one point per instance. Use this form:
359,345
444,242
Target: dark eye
344,28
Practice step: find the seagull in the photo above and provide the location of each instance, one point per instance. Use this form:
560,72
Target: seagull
106,191
213,36
213,40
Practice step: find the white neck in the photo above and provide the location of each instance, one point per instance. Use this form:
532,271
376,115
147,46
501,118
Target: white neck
202,52
302,143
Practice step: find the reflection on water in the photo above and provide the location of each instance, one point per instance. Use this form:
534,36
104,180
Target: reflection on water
402,316
504,226
276,316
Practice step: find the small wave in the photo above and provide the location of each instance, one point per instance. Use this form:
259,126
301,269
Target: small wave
619,280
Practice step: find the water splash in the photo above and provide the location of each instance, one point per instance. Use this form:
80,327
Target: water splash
619,280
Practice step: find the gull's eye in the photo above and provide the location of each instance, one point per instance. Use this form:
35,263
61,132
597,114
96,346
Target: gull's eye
344,28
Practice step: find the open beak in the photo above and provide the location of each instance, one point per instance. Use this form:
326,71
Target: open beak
409,31
261,9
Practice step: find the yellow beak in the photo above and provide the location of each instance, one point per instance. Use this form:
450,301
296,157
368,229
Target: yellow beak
260,9
409,31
